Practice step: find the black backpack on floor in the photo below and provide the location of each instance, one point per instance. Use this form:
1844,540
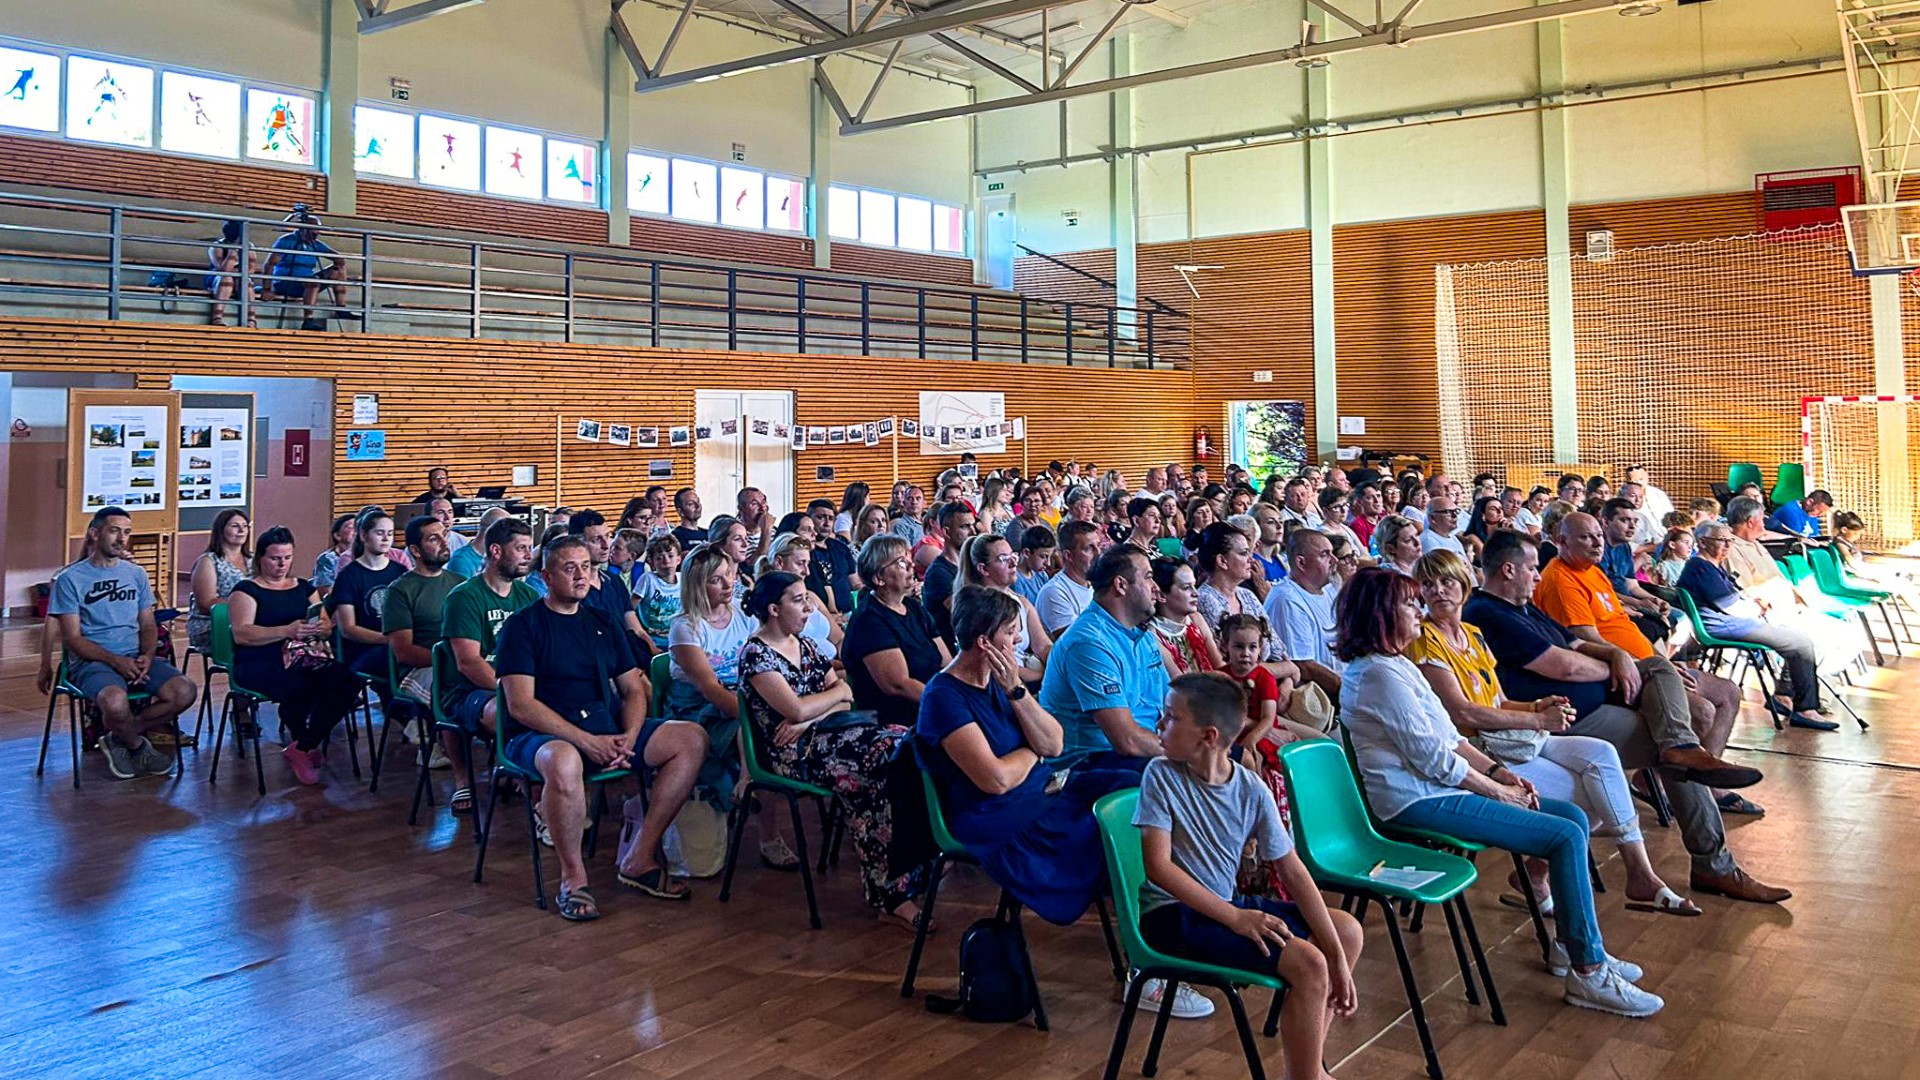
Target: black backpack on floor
996,980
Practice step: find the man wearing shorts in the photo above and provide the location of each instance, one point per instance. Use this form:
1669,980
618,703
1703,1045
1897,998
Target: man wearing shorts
470,624
104,605
577,705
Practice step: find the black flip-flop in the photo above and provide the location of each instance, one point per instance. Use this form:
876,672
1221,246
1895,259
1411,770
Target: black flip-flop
461,801
1731,803
576,905
657,884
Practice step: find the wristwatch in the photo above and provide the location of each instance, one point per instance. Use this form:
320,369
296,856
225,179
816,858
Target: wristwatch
1016,693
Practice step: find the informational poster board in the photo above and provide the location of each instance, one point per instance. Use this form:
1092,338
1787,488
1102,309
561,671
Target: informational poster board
953,421
214,459
121,451
125,457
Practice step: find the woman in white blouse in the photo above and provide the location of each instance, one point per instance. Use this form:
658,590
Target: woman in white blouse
1419,772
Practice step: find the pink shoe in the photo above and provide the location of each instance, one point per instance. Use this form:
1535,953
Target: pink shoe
301,762
318,756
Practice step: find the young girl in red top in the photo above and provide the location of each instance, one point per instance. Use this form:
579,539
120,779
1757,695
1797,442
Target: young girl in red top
1243,640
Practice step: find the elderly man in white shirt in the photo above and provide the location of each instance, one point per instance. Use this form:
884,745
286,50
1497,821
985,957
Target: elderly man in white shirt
1443,527
1300,608
1653,501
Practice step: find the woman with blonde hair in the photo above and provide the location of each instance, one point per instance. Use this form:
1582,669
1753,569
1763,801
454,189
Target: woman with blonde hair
1399,539
872,522
991,562
792,553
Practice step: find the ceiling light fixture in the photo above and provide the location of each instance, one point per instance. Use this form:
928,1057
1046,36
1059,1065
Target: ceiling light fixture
1310,35
1640,9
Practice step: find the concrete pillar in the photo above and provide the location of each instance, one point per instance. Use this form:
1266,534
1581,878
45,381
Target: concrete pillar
615,140
821,123
1123,174
1326,376
1555,184
339,91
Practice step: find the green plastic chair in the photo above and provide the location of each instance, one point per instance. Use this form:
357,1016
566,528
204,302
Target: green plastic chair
1126,873
400,706
1442,842
1742,472
503,770
1757,658
660,674
1833,581
445,670
1334,833
1789,483
1798,570
241,703
761,777
79,710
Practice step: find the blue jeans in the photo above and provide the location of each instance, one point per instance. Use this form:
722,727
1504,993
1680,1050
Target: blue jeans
1557,832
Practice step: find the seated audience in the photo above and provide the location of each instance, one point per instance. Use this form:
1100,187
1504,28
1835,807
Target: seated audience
1836,636
1039,561
637,515
1640,707
852,501
1599,487
754,515
1368,510
792,553
609,593
1550,527
104,606
280,633
1068,592
1571,488
1144,523
1443,520
704,641
468,560
577,705
1186,640
913,507
1801,517
1346,558
870,522
1298,505
1414,498
989,561
1225,562
441,510
1672,555
1489,515
890,649
1173,529
1618,527
1400,541
1585,771
327,567
470,621
656,595
293,269
988,744
1300,609
228,559
1269,534
1421,773
1105,682
1198,813
1654,501
794,696
414,612
690,533
1200,514
1527,518
830,575
1334,504
956,521
1886,574
223,274
359,596
1646,528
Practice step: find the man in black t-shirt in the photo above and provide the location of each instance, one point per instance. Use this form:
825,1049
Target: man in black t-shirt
577,705
830,574
438,487
686,503
943,574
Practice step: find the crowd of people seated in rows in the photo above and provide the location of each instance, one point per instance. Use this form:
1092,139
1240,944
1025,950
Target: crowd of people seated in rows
1034,643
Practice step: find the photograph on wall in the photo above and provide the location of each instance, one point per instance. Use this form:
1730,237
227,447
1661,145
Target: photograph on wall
646,437
964,415
216,449
729,427
1269,436
910,428
799,438
119,467
677,436
837,436
816,436
871,434
855,433
587,431
620,434
886,427
703,432
762,427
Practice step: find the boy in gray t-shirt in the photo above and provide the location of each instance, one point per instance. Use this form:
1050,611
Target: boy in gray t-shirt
1197,811
104,606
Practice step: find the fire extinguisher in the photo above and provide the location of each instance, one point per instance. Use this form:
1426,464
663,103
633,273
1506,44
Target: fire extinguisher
1203,444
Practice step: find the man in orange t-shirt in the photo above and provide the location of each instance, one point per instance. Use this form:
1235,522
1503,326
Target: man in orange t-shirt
1576,593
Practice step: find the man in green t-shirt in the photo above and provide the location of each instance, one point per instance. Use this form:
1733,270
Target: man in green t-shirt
410,617
470,625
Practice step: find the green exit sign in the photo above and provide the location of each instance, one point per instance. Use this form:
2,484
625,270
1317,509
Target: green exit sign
996,187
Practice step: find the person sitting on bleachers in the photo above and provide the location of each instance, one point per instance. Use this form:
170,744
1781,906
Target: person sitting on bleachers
327,566
280,634
360,595
414,611
104,604
1420,772
1640,707
293,270
794,696
1068,592
223,274
566,670
1801,517
690,533
470,622
467,561
1105,681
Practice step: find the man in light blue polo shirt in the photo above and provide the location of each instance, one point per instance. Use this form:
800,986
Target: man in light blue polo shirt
1105,681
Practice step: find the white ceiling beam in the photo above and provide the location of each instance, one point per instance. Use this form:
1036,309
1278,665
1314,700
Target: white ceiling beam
406,16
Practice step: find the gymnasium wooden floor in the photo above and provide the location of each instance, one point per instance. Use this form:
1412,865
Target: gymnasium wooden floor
155,929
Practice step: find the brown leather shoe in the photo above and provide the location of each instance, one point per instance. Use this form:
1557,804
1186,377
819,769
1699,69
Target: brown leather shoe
1738,885
1695,764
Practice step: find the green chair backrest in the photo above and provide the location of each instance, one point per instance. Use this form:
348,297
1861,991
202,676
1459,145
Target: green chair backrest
660,674
757,768
937,816
1832,577
1789,483
444,672
1700,631
1330,818
393,678
1168,546
1126,872
1795,568
1742,472
222,634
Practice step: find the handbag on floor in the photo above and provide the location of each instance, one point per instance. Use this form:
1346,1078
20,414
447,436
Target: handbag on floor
696,842
996,979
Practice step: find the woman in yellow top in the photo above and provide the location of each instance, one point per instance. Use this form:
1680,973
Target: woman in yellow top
1585,771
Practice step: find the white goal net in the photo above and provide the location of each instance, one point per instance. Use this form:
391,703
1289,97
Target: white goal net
1865,451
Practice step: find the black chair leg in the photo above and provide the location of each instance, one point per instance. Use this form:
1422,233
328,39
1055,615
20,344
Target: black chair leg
1413,991
1254,1068
483,827
353,745
1012,907
539,876
1460,954
926,920
1168,989
1878,659
1533,907
379,753
259,767
1113,944
1480,960
806,868
736,834
1593,873
1272,1027
1419,920
1125,1027
73,737
419,790
220,738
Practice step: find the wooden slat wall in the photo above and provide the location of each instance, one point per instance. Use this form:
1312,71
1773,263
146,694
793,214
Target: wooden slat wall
1666,221
409,205
732,245
913,266
133,173
1255,315
480,407
1035,276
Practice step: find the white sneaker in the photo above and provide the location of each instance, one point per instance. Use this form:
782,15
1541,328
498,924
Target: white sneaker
1188,1004
439,759
1607,992
1560,964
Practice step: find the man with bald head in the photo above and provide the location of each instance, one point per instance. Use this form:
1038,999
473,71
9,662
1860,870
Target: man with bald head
468,560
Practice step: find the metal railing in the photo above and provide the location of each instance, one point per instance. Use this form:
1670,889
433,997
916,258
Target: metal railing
80,258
